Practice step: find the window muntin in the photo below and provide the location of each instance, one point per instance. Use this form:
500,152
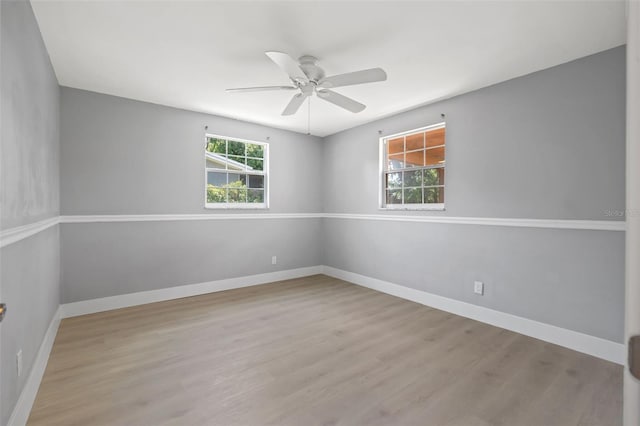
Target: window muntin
413,165
236,173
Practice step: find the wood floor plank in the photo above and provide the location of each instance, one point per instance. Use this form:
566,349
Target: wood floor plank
313,351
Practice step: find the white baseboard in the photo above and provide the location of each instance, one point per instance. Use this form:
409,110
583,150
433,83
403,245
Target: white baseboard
27,397
595,346
601,348
598,347
141,298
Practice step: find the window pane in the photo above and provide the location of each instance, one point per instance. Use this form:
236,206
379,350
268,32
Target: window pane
254,150
413,178
236,171
236,163
434,176
415,159
237,195
434,195
394,180
216,194
255,164
396,161
256,181
237,180
414,168
216,179
394,196
255,195
236,148
413,195
415,141
435,137
216,161
396,145
435,156
217,145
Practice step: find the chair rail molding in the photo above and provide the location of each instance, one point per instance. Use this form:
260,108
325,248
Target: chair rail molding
13,235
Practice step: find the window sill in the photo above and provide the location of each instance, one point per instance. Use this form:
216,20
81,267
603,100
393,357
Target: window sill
236,206
424,207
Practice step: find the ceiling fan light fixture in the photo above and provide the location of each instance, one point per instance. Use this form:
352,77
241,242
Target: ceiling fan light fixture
308,77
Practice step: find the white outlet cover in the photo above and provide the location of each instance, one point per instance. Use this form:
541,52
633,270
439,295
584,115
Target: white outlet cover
274,260
478,287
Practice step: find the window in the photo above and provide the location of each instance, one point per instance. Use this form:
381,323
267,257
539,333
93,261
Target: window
412,169
236,173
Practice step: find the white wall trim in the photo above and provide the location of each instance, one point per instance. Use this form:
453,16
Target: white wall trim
13,235
182,217
141,298
598,225
601,348
27,397
631,384
595,225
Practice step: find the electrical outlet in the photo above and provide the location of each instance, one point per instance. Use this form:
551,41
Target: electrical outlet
274,260
19,363
478,287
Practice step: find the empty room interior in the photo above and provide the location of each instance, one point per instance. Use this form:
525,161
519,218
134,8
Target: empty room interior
320,213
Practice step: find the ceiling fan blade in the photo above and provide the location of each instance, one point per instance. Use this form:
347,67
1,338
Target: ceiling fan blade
260,89
290,66
341,100
294,104
357,77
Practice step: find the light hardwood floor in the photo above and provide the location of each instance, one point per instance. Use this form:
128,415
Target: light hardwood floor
314,351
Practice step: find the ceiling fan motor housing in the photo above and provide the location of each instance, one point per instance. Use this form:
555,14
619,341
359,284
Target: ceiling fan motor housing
309,78
309,67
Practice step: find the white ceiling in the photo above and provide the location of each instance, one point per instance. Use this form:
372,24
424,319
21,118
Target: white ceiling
185,53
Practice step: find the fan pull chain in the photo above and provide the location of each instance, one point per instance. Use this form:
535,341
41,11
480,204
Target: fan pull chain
309,116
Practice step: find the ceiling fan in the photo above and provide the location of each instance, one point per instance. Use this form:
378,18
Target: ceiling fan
308,78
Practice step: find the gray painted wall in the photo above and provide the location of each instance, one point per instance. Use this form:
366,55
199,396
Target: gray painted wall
567,278
549,145
29,269
126,157
108,259
30,277
121,156
30,121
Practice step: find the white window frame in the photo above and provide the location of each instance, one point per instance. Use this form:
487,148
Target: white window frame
264,173
382,205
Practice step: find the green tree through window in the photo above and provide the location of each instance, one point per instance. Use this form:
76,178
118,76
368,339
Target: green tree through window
413,168
236,172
